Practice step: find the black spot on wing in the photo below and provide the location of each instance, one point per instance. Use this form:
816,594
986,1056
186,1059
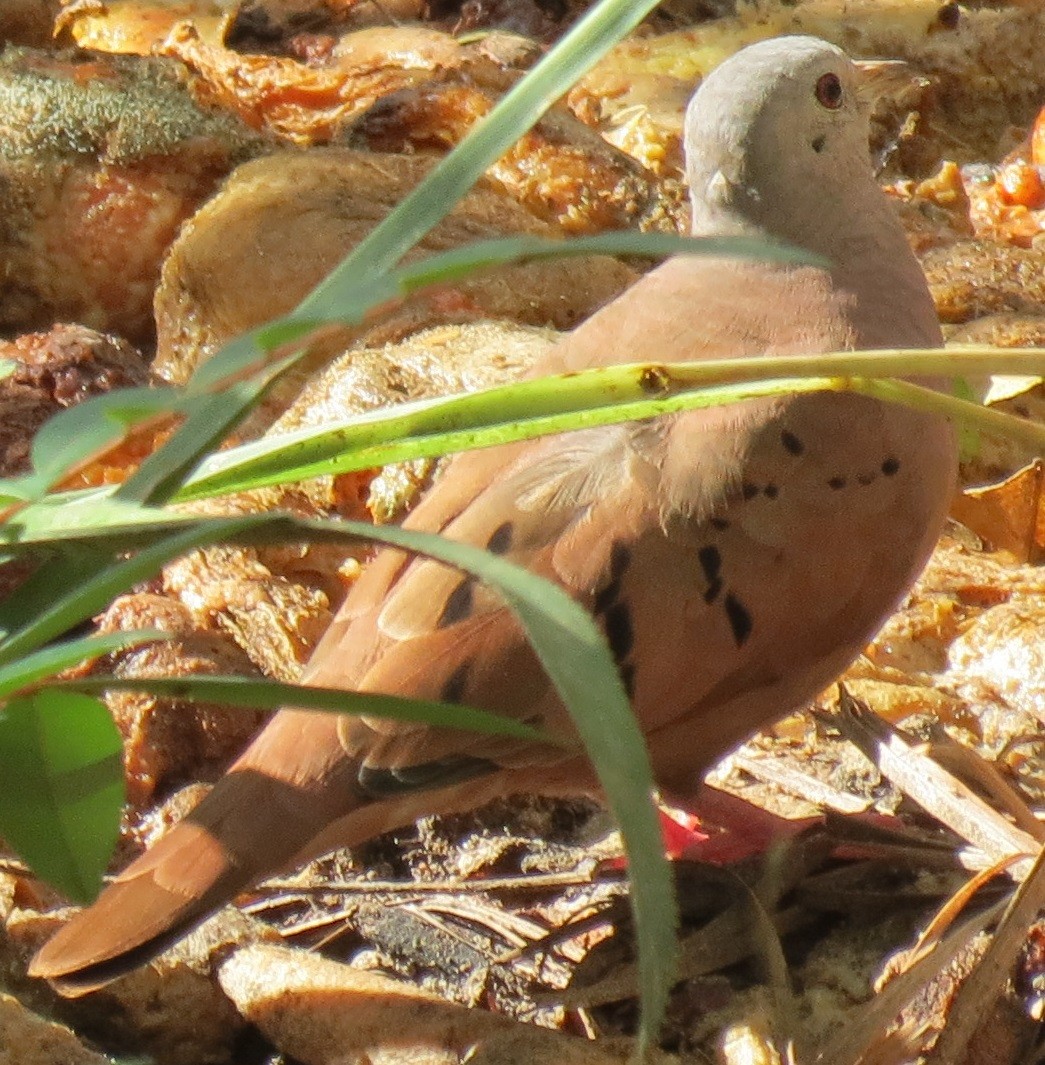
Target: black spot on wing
501,538
791,443
620,559
740,620
711,563
748,490
627,676
458,604
890,467
453,687
616,617
619,631
607,595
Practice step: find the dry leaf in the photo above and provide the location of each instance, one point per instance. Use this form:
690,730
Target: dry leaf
1008,515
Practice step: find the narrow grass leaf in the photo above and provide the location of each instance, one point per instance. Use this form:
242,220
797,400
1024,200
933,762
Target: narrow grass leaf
576,52
62,595
577,658
15,490
369,289
968,438
580,665
93,517
271,694
57,572
33,668
355,298
210,418
63,787
600,396
456,423
69,438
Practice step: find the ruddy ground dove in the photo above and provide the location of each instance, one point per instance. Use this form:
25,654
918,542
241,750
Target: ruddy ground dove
737,557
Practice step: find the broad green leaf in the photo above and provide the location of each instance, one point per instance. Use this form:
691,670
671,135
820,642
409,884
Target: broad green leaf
63,787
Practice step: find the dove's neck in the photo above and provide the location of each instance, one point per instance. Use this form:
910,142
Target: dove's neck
870,259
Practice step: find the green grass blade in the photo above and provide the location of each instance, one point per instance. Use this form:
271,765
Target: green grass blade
73,435
355,298
32,668
590,398
575,654
94,516
580,665
438,427
58,570
576,52
210,418
270,694
32,620
370,289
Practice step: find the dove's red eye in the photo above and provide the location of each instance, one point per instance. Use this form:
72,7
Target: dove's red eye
829,91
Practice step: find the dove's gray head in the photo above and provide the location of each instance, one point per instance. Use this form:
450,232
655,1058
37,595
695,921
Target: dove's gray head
776,144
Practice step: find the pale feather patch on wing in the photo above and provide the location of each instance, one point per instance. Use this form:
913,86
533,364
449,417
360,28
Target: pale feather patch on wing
589,467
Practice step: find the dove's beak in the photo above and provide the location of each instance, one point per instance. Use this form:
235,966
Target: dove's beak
886,77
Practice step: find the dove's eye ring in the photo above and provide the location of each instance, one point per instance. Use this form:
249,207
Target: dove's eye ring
829,91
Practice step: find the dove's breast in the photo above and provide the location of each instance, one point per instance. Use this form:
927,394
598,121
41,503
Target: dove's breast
829,516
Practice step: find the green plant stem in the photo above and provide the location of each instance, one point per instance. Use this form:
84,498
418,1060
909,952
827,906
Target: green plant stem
600,397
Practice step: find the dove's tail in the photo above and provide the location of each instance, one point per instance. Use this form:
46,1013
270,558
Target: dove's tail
296,792
293,781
